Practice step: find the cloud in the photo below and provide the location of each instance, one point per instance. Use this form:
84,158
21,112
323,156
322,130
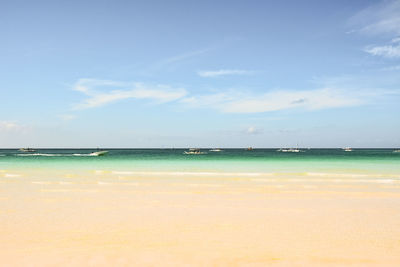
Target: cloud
11,127
238,102
342,92
99,93
217,73
396,40
171,62
387,51
379,19
183,56
253,130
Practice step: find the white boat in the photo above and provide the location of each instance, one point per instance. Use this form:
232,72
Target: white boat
194,151
27,150
99,153
293,150
348,149
215,150
396,151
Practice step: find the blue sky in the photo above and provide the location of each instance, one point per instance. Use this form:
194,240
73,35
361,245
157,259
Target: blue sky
199,73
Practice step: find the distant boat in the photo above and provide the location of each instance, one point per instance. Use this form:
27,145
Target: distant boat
396,151
99,153
249,148
194,151
348,149
27,150
215,150
293,150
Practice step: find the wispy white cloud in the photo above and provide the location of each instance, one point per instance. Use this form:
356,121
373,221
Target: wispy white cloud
387,51
330,94
396,40
173,61
183,56
237,102
382,18
99,93
216,73
12,127
86,86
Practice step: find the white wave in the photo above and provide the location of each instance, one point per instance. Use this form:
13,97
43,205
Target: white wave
297,177
40,154
55,155
354,175
175,173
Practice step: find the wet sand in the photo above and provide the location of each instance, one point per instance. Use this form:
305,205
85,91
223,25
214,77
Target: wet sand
100,218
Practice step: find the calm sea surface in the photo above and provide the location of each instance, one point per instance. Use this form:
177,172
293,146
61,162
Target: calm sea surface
375,161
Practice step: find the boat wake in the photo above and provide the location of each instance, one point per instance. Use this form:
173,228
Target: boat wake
55,155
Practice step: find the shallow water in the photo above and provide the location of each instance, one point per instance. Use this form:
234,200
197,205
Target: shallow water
379,161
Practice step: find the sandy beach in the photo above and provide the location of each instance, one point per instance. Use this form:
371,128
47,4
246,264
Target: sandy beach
105,218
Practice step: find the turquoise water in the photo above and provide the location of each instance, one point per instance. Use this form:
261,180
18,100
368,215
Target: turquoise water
229,160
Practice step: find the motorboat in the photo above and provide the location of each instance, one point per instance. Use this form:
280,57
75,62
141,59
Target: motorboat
215,150
249,148
348,149
293,150
194,151
99,153
27,150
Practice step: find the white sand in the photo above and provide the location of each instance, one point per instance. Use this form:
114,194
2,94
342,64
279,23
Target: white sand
100,219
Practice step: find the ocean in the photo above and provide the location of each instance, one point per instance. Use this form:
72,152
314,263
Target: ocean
373,161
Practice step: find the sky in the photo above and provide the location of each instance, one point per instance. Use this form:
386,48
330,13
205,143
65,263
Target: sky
188,73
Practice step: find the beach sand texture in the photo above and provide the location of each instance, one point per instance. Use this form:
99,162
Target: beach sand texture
106,218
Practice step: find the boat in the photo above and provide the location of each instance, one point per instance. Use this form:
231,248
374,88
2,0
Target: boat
348,149
27,150
215,150
249,148
99,153
194,151
396,151
294,150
